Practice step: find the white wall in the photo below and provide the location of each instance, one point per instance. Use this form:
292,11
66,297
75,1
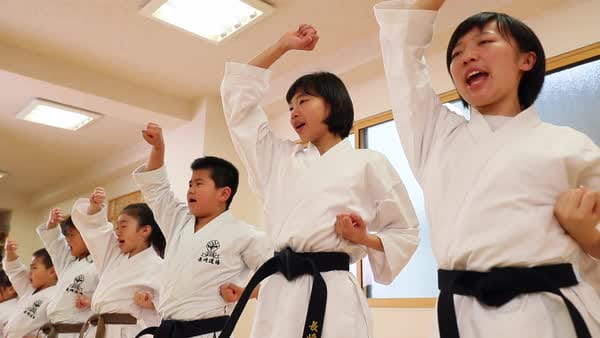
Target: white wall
114,188
398,322
218,143
183,145
21,223
21,227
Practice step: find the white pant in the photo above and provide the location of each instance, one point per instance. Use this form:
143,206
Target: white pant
282,305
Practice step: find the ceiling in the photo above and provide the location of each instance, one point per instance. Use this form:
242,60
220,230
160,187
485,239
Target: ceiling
111,37
102,55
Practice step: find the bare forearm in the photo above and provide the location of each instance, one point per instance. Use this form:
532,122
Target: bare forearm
11,249
592,247
157,158
12,256
373,242
587,238
269,56
149,306
93,209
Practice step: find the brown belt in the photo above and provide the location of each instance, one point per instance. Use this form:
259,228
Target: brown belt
52,330
103,319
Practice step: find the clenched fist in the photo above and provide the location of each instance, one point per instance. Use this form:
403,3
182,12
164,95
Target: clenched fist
55,218
153,135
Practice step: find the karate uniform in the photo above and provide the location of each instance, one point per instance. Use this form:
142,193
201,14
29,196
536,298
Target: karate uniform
489,195
303,192
75,277
30,314
121,276
7,309
198,263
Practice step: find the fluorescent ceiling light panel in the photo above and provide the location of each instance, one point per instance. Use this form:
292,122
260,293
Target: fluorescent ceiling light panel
214,20
57,115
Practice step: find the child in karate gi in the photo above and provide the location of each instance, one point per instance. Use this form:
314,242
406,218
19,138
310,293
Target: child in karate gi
206,245
491,182
325,206
9,301
127,259
76,272
35,287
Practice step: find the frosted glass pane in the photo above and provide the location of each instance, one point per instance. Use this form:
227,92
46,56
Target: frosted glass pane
571,97
419,277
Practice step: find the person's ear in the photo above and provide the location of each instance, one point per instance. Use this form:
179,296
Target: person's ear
527,61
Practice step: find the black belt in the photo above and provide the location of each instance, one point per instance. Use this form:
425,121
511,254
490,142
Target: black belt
293,265
185,328
500,285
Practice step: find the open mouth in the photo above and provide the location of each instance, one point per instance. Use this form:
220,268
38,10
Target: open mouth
191,200
476,77
299,126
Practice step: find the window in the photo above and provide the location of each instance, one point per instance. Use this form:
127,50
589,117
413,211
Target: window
572,85
419,278
571,97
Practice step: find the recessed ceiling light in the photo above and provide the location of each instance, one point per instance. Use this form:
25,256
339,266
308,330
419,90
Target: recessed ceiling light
57,115
3,173
214,20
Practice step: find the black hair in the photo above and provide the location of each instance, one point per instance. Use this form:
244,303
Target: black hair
222,172
4,280
532,80
144,216
66,225
45,256
331,88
